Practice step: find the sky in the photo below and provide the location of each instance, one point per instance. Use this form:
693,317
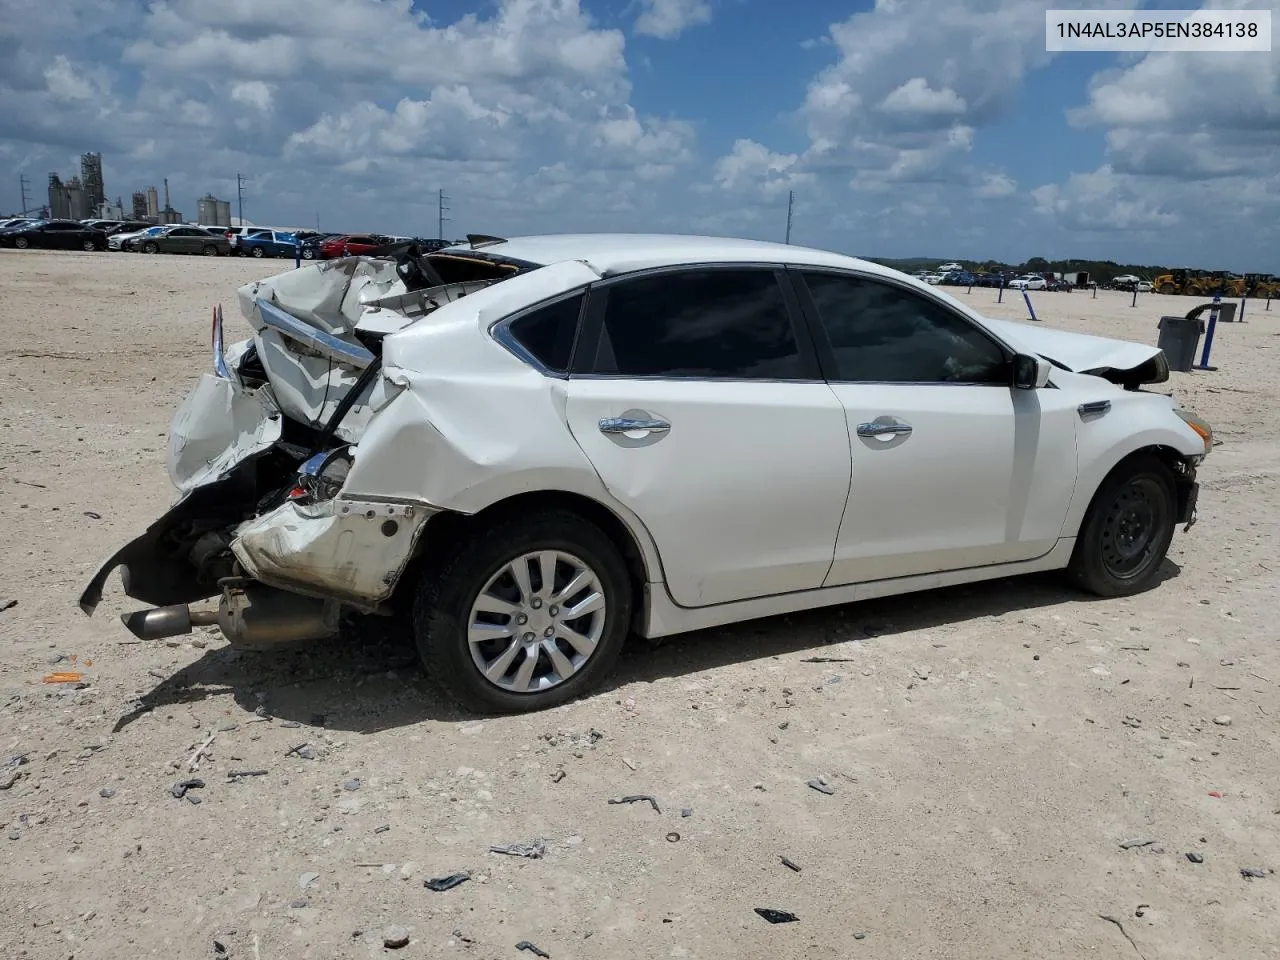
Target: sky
904,127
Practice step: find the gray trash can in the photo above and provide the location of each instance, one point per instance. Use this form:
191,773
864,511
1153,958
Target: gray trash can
1179,337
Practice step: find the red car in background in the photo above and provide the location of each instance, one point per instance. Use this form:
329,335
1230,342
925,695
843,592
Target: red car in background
351,245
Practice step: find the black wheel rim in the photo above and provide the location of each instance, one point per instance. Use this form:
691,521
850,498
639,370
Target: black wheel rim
1132,528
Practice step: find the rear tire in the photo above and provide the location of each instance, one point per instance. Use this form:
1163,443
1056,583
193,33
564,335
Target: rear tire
1127,530
210,250
258,252
22,243
460,597
88,246
150,248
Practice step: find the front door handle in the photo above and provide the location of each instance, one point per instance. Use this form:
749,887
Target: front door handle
883,429
631,424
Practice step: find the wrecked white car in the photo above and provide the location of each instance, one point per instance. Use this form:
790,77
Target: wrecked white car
533,447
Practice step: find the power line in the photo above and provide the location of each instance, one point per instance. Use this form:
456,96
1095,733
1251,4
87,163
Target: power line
442,210
791,199
240,179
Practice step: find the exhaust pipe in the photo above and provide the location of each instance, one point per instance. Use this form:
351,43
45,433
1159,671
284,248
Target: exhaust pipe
161,622
251,615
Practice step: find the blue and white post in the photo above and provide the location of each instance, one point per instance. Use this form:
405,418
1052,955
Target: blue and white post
1208,336
1030,309
1242,300
297,252
1000,295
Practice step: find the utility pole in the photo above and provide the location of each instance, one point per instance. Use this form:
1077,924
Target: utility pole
23,182
443,209
791,199
240,179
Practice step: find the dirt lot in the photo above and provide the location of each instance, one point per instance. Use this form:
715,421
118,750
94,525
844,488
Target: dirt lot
989,747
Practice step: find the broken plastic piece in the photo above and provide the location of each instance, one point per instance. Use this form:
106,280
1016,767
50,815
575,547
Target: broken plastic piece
534,849
532,948
179,789
638,798
790,864
821,787
440,884
1252,873
64,676
776,916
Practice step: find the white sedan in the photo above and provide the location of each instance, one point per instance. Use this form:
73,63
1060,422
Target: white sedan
1029,282
525,450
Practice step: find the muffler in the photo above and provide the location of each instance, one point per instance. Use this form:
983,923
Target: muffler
251,615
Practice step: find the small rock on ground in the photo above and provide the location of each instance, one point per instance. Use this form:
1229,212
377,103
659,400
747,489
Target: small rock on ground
393,938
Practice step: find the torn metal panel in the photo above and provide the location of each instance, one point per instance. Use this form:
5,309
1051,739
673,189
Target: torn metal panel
346,549
219,425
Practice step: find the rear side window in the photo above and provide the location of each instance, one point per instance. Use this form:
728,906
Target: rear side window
547,333
700,323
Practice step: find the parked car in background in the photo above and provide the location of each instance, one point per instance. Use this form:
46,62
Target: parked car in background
179,238
1028,281
1058,285
520,502
950,267
267,243
128,241
351,244
130,226
16,222
311,245
53,235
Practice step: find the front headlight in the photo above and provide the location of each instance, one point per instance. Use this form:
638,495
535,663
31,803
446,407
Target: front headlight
1199,426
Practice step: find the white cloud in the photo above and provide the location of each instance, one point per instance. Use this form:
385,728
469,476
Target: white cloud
997,185
752,167
253,93
917,97
667,19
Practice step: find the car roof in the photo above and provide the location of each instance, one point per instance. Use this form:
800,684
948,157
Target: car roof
623,252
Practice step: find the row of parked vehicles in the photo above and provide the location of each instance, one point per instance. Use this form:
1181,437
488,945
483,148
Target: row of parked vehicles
136,236
950,275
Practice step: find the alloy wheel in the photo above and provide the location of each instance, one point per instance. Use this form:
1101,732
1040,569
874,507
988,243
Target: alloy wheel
537,621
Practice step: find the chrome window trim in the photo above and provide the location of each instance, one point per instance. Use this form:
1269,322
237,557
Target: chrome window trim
313,337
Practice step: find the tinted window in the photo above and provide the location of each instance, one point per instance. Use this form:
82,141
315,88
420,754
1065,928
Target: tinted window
699,323
548,332
62,226
880,332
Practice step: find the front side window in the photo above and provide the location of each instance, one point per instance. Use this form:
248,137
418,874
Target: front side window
881,333
547,333
730,323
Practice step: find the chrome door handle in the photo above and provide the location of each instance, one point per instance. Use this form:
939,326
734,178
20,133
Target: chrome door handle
882,429
628,424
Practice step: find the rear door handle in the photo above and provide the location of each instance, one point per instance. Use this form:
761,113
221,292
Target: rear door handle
630,424
883,429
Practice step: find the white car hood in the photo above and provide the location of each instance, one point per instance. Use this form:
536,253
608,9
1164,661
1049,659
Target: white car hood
1078,352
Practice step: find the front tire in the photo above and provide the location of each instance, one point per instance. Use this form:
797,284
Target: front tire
150,248
88,246
527,613
22,243
1127,531
209,250
308,253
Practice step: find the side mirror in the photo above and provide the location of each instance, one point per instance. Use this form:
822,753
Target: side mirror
1030,373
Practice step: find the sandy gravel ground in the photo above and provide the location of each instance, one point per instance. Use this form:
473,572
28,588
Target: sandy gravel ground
989,747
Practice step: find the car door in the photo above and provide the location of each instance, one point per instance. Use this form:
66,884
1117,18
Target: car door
952,467
697,398
55,236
